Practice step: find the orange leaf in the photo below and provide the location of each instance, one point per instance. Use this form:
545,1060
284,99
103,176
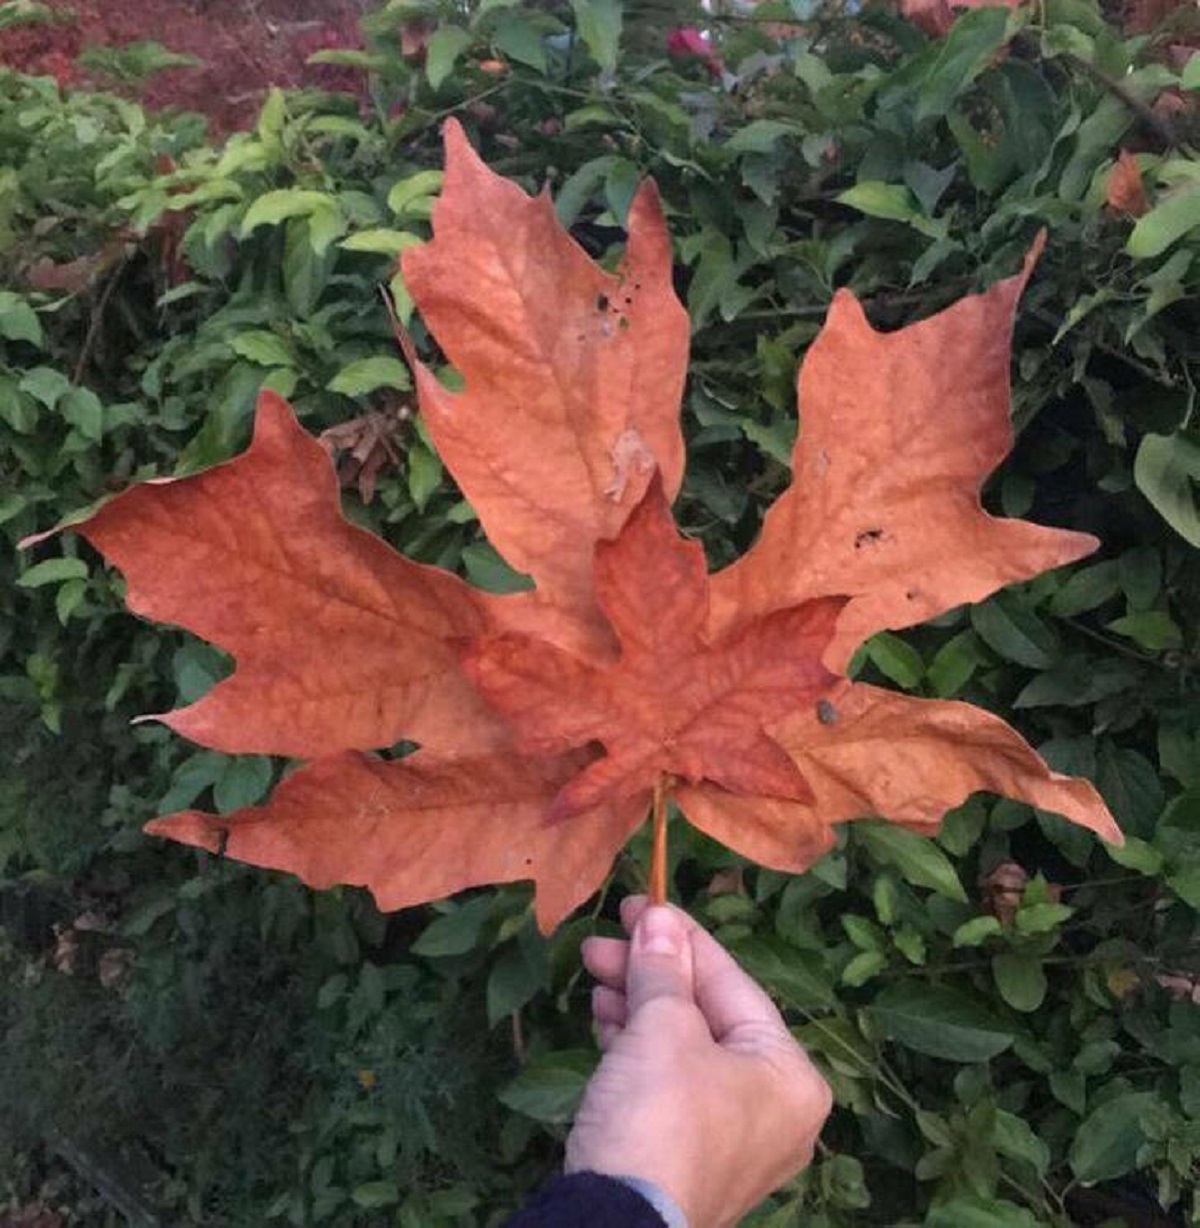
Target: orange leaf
573,376
870,752
674,704
340,642
417,828
548,718
936,17
1125,192
898,432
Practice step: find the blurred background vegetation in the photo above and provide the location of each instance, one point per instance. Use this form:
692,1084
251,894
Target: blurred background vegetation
1008,1014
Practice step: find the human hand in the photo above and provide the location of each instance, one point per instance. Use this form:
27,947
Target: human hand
702,1089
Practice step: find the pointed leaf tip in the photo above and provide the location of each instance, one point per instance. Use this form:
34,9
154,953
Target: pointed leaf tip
552,347
339,641
884,504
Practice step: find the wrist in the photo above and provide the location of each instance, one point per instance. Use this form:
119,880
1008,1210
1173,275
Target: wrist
666,1206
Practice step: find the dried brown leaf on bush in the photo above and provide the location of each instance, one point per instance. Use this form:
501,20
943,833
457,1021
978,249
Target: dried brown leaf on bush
1125,191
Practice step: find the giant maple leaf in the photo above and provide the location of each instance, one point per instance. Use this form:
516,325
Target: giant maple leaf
549,720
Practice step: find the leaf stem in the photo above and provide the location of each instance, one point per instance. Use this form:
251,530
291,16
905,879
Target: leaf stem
658,855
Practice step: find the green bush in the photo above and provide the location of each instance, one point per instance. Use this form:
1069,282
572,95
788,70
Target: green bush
1005,1012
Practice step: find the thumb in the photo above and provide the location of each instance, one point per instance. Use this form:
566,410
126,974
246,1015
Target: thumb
660,959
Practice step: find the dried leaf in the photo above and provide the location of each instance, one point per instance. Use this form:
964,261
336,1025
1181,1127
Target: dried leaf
340,642
572,375
936,17
1125,192
884,504
673,704
901,758
368,445
547,718
420,827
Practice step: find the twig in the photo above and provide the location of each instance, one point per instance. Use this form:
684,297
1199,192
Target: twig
518,1040
1143,111
89,339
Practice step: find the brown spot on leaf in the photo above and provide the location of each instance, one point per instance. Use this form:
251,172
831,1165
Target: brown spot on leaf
629,456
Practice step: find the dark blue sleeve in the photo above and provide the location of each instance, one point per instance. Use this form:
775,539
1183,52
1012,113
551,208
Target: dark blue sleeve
586,1200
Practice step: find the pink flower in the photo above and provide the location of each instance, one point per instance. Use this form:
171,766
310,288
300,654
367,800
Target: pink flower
686,42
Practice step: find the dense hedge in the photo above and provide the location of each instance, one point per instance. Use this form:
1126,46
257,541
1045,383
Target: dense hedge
1007,1013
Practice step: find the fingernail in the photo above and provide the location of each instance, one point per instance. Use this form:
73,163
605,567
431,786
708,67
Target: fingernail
659,932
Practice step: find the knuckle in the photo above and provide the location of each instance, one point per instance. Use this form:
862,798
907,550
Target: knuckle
667,1011
809,1097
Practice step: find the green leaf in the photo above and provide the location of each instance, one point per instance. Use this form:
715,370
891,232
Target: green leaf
896,659
1137,855
374,1194
1077,679
245,781
1177,837
1165,224
1086,589
1140,572
620,187
82,409
1178,751
1166,469
407,194
954,664
761,136
325,225
68,599
1012,1137
446,45
967,51
1108,1140
599,25
424,475
550,1088
1131,787
53,571
18,320
1021,980
1042,917
46,384
364,375
980,1213
917,858
863,967
196,668
1069,1087
579,187
11,505
488,571
521,39
380,241
941,1022
877,199
1190,77
1154,630
16,408
514,979
274,207
263,347
455,933
1014,632
975,932
796,977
